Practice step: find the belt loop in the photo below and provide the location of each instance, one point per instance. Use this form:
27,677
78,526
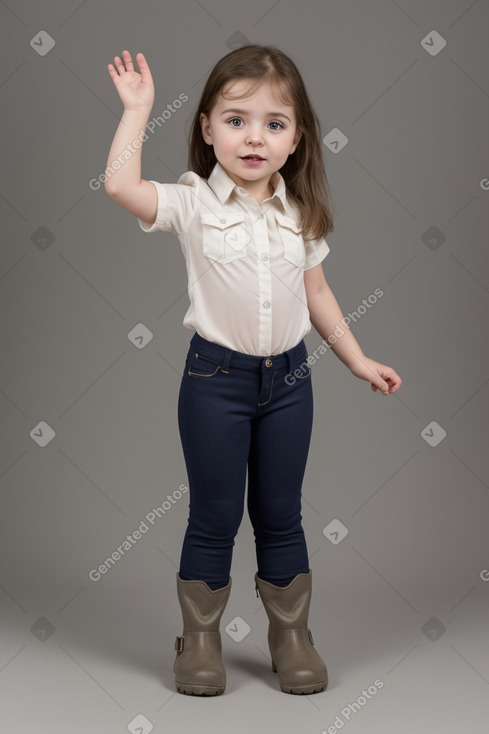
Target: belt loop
226,361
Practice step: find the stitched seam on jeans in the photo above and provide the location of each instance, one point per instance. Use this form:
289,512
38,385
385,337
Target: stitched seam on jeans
271,390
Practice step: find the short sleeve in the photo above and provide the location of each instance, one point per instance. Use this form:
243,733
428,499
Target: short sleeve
176,205
316,251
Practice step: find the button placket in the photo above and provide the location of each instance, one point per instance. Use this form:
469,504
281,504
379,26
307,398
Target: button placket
264,283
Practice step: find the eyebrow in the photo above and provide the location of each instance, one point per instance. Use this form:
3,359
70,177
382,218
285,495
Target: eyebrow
270,114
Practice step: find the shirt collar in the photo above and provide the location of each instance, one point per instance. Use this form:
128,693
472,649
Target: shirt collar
222,185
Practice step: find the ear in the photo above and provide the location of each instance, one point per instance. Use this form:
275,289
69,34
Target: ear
205,127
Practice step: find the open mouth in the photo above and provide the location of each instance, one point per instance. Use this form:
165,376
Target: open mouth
252,158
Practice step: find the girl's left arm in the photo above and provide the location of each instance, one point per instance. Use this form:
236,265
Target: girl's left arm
327,319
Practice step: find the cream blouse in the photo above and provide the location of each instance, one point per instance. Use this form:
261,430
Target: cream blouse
245,261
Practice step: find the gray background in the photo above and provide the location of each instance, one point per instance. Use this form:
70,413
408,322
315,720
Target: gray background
402,598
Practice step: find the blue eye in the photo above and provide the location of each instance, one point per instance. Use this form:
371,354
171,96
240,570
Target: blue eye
274,122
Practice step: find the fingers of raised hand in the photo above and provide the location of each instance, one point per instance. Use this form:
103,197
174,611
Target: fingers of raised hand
124,64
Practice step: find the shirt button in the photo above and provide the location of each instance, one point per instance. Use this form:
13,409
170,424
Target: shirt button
223,221
264,256
266,304
268,362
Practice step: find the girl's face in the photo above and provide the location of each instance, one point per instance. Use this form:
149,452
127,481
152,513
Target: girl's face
254,125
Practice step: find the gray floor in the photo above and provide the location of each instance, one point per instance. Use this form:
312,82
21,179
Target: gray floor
107,664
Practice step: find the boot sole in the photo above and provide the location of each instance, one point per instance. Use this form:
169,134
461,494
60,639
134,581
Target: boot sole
193,690
304,689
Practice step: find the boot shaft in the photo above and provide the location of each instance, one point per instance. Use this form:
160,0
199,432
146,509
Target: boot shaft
202,607
287,606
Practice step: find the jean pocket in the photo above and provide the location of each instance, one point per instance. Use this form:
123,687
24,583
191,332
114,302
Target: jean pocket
290,232
200,366
224,236
301,370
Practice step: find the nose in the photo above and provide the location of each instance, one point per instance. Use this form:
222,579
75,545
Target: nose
254,137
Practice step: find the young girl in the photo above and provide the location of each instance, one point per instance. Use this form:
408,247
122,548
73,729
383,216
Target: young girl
251,215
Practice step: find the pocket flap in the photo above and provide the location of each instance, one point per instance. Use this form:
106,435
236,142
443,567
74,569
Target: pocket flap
223,220
287,222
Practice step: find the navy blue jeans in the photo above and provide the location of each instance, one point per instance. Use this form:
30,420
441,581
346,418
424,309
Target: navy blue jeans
237,414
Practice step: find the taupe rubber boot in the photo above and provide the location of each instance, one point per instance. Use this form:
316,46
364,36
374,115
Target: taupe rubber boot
198,664
300,668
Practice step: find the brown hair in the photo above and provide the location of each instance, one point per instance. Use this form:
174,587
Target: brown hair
303,172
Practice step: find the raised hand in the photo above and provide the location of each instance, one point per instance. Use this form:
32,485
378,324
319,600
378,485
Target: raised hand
135,89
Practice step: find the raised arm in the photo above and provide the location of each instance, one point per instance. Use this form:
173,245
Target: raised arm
123,172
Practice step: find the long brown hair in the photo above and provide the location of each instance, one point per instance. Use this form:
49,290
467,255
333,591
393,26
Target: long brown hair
303,172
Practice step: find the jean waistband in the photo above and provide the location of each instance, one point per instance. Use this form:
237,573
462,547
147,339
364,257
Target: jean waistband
291,358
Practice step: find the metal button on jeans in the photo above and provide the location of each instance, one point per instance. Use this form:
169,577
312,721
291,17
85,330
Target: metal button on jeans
268,362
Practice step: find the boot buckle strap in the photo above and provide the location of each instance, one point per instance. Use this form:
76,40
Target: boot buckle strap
179,642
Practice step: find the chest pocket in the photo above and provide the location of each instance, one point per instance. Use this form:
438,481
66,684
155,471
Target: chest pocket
225,236
292,240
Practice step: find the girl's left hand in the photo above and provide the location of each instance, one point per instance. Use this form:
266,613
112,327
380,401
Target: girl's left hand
380,376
